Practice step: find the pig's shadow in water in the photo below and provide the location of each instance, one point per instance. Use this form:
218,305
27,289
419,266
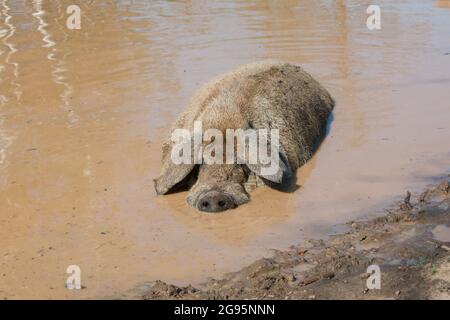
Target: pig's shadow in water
289,181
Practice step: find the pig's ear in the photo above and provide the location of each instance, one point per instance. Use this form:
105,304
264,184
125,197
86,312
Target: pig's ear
280,173
171,176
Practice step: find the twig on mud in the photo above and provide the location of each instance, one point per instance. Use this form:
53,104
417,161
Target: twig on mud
406,205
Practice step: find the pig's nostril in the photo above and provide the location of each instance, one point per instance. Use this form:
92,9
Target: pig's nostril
205,204
221,203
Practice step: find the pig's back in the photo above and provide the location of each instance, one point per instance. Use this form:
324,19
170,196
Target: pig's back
287,98
266,94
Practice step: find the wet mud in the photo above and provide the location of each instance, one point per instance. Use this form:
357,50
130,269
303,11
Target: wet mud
410,244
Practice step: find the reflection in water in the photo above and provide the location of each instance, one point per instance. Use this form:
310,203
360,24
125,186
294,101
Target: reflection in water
89,108
5,34
58,64
48,43
12,49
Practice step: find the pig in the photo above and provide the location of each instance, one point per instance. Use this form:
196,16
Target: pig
261,95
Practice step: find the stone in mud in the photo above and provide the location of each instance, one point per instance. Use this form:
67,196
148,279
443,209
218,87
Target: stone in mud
265,95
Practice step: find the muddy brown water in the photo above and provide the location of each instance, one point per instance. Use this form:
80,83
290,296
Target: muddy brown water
83,113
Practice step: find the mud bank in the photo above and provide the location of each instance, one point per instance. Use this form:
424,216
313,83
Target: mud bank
410,244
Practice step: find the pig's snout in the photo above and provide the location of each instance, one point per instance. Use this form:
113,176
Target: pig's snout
215,201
